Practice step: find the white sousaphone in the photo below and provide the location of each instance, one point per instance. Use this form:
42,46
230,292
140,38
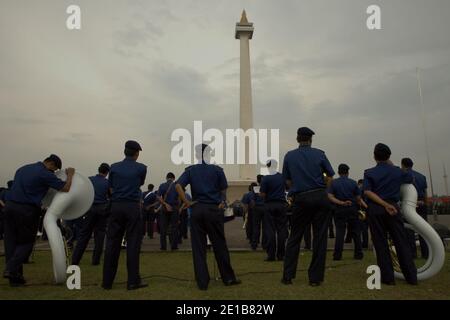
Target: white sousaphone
416,223
68,206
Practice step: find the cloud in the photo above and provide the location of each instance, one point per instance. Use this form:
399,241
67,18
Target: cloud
140,69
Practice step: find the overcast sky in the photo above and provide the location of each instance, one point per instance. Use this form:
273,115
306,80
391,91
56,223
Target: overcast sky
140,69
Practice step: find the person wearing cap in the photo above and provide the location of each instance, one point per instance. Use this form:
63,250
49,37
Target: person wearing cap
259,225
346,196
307,172
420,183
94,221
125,180
23,208
169,216
208,187
149,202
273,191
3,196
382,188
249,204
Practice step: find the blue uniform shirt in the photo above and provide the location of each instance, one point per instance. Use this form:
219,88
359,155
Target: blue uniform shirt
125,179
207,182
149,198
31,184
274,187
247,198
305,167
345,189
172,194
4,195
385,180
101,187
257,198
420,182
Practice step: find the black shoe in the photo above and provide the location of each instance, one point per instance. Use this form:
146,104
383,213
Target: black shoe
6,274
337,258
203,288
269,259
95,263
314,283
233,282
107,287
286,281
163,249
280,258
137,286
388,283
16,281
174,249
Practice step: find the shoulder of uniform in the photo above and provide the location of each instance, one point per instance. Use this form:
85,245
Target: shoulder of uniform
188,168
318,150
141,165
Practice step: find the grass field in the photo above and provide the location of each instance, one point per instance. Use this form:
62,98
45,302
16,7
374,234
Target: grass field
170,277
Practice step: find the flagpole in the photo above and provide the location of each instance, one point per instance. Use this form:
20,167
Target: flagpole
424,124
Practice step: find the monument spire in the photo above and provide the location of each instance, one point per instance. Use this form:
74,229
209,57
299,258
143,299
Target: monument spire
244,17
244,32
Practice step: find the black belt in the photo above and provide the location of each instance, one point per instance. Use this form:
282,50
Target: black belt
309,191
34,206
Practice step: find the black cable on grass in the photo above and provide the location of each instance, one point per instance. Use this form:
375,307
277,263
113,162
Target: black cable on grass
181,279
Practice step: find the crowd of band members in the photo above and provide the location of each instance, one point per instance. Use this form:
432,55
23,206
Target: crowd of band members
280,210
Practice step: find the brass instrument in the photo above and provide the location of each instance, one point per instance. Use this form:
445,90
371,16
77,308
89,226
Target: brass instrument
362,215
416,223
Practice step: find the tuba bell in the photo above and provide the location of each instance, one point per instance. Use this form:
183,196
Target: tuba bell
416,223
68,206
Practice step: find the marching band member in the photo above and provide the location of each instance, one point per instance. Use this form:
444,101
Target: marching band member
304,170
125,179
208,186
169,216
95,219
273,192
23,208
345,194
420,182
382,188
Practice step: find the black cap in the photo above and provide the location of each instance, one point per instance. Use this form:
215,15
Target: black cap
304,131
104,168
170,175
133,145
56,160
343,168
407,162
382,152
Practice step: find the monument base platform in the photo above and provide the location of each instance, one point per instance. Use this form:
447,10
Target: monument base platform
236,189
